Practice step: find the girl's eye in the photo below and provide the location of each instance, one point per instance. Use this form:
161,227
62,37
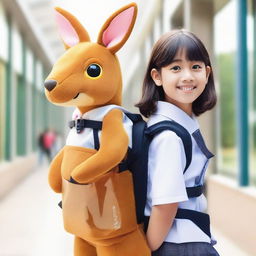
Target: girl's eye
196,66
176,68
94,70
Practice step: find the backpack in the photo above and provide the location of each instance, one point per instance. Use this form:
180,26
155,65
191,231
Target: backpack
137,162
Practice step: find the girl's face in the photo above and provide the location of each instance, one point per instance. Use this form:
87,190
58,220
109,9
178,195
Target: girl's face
183,80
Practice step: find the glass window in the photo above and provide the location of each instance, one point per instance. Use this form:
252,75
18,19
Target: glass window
29,65
251,24
4,35
17,50
8,152
21,116
2,109
225,35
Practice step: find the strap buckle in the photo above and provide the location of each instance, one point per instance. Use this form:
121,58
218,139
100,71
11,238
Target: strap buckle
79,125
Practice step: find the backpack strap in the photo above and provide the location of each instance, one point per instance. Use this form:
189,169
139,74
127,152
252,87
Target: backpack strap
187,142
180,132
139,126
80,124
137,163
200,219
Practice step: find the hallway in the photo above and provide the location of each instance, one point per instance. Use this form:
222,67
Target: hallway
31,222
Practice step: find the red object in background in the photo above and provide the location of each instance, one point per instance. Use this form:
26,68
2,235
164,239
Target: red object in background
49,139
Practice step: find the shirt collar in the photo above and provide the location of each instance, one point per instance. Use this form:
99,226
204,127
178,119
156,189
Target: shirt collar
173,112
96,113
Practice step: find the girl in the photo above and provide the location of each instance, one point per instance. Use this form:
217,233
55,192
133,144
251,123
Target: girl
178,86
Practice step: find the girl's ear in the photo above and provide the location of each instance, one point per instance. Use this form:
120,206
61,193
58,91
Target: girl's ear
208,72
156,77
118,27
71,30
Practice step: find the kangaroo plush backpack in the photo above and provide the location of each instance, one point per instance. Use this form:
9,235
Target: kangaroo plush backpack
98,201
136,162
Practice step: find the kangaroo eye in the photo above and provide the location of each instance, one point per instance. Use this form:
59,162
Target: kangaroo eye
94,70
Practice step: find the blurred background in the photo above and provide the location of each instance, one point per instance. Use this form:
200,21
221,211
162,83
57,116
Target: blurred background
30,221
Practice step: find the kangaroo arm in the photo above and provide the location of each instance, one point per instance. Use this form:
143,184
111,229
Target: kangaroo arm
54,176
113,147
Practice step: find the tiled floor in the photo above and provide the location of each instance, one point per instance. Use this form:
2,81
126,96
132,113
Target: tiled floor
31,222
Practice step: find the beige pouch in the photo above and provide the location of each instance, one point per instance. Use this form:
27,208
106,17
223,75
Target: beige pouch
100,210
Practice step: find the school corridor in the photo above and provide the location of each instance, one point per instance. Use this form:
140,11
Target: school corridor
31,222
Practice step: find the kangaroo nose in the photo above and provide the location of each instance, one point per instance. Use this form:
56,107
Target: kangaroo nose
50,84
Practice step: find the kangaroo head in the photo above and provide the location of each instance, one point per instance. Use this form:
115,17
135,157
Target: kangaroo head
88,74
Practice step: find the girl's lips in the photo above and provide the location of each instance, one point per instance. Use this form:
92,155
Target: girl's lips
186,88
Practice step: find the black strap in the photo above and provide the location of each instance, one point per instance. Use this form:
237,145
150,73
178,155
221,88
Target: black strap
194,191
137,162
134,117
202,220
201,144
138,141
180,131
96,139
80,124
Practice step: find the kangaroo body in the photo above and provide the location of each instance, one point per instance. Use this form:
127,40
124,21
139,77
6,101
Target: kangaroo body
97,200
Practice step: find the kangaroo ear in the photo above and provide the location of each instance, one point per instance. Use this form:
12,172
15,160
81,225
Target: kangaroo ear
71,30
118,27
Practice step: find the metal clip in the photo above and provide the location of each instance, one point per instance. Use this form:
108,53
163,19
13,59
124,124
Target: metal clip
79,125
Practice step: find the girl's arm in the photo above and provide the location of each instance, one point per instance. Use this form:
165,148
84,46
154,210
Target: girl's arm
160,222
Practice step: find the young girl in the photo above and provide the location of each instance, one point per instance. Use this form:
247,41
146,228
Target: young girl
178,86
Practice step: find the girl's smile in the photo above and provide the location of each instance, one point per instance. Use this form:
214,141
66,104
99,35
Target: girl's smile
186,89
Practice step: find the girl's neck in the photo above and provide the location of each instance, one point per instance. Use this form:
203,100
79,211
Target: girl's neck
186,107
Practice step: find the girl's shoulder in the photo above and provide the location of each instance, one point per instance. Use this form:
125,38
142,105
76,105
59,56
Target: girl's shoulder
167,139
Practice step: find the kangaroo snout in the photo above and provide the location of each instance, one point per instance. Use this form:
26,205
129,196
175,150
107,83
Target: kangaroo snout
50,84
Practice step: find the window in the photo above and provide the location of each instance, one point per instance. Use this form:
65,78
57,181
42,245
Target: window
21,116
20,99
2,109
225,52
251,24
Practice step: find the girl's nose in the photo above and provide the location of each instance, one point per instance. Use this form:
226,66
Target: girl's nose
187,76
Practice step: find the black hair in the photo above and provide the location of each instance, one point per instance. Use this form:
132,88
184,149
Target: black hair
163,54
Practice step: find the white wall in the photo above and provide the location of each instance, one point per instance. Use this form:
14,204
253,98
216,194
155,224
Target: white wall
4,35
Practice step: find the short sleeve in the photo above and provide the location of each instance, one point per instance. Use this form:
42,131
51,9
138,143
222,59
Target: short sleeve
166,163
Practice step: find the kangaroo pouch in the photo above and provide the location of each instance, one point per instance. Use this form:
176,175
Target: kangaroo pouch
100,210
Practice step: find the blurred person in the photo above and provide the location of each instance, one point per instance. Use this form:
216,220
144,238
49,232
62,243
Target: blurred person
49,138
41,148
178,86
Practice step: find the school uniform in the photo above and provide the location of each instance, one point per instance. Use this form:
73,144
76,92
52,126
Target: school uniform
167,183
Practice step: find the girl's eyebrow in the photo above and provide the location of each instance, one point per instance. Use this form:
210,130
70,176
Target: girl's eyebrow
180,60
176,60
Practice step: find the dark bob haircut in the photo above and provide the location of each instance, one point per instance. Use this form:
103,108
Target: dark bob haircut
162,55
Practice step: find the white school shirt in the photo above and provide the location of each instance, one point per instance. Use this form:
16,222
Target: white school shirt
166,181
85,138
